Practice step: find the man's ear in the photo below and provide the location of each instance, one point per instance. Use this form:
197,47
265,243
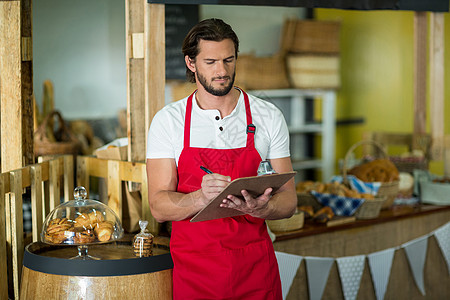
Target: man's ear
189,63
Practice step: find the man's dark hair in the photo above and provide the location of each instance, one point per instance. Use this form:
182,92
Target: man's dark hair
208,30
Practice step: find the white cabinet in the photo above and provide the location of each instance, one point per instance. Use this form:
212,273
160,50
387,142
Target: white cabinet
292,102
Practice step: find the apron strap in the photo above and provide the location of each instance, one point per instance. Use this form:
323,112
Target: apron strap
251,128
187,121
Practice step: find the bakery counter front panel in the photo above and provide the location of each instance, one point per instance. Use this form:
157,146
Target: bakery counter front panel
410,244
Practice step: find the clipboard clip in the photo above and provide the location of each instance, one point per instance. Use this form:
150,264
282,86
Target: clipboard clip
265,168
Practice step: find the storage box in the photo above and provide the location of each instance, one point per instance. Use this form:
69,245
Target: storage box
113,152
431,192
435,193
259,73
310,36
117,149
314,71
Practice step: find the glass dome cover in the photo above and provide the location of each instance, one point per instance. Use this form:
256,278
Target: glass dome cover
81,222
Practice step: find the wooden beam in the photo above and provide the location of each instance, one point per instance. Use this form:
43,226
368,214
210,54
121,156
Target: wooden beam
155,61
3,257
437,84
420,71
16,84
134,27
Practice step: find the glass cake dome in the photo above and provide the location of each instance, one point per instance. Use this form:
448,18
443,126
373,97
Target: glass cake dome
81,222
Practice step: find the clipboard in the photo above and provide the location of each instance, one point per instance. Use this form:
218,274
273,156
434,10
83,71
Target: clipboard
255,185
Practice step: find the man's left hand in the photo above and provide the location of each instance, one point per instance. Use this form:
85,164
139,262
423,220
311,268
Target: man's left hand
256,207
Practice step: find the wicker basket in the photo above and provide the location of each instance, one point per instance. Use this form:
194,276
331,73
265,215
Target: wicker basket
259,73
66,142
389,190
293,223
310,36
370,209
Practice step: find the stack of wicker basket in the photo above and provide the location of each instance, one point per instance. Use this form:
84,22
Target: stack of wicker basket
312,53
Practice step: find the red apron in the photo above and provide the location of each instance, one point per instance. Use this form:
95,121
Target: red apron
229,258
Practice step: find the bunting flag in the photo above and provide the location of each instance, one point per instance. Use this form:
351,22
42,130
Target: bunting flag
380,264
317,270
443,237
288,265
416,251
350,272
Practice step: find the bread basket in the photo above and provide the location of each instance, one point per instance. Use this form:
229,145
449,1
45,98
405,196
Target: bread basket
370,209
387,190
293,223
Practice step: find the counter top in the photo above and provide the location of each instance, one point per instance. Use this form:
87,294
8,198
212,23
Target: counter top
394,213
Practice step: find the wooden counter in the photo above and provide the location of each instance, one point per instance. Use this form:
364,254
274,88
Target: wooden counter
391,229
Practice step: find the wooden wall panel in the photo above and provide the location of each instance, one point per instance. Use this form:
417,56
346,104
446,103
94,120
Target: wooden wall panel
437,84
420,71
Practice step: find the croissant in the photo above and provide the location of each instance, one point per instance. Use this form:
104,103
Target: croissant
104,230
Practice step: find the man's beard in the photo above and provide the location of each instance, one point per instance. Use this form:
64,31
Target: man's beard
214,91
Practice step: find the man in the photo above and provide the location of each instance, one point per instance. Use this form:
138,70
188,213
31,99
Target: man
229,132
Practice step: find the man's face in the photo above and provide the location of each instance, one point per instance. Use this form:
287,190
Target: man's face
215,66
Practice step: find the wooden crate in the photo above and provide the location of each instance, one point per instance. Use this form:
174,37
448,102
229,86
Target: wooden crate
260,73
313,71
310,36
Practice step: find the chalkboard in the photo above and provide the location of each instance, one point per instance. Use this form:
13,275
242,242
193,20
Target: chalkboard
179,20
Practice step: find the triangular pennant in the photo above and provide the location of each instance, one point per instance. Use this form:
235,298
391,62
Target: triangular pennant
350,272
416,251
288,265
380,267
443,237
317,270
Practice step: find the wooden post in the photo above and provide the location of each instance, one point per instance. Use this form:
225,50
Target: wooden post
134,28
437,84
420,71
145,52
16,84
155,61
4,187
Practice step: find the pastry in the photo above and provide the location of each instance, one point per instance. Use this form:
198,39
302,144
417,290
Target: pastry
95,217
83,221
323,215
103,231
307,210
84,237
58,230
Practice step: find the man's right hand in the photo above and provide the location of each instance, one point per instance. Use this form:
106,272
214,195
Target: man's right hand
213,185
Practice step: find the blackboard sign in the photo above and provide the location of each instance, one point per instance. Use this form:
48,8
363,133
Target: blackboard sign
179,20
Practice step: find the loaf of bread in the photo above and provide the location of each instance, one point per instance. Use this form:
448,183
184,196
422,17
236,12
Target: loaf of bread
379,170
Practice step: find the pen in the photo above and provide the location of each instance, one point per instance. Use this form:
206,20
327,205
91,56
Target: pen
205,169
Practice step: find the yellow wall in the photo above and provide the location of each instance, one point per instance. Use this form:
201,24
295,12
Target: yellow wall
377,69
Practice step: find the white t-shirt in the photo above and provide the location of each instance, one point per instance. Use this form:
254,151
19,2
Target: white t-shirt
209,130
